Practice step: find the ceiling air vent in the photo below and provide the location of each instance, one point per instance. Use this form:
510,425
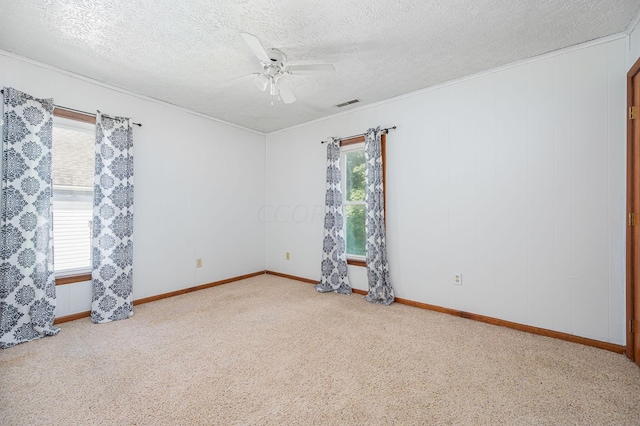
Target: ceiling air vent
344,104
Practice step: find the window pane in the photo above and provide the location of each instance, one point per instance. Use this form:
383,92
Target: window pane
72,174
356,237
354,171
71,233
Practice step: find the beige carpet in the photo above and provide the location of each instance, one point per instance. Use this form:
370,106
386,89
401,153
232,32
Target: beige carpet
268,350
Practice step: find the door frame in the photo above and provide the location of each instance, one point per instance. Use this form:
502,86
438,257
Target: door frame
632,157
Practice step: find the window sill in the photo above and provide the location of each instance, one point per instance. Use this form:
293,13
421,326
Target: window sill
356,262
70,279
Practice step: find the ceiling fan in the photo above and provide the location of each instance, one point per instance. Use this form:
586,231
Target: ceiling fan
275,70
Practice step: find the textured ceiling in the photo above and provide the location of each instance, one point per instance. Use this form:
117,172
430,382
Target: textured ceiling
185,52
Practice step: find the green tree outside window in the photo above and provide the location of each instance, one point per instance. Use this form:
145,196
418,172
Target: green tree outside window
354,205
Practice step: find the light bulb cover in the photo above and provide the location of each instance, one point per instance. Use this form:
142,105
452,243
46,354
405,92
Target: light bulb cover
274,90
261,82
285,91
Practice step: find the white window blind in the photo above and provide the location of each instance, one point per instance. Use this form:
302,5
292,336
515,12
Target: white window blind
72,173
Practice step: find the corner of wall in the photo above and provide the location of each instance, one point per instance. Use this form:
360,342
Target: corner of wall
633,40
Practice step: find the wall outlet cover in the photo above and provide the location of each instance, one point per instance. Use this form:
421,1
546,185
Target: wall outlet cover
457,279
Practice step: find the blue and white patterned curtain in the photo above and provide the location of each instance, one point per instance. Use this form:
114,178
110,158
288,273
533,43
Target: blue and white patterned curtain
334,257
112,272
27,281
380,290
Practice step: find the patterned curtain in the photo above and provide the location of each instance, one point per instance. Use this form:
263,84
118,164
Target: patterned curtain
334,257
27,282
380,290
113,221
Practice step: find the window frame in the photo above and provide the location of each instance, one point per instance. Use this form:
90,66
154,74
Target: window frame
71,276
351,259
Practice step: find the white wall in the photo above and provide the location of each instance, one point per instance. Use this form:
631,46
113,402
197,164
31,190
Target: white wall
199,185
634,45
514,178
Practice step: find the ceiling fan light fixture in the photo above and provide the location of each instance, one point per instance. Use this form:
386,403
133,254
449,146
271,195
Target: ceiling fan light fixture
274,68
261,82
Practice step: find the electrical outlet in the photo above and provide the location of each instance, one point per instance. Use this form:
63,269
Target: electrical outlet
287,256
199,263
457,278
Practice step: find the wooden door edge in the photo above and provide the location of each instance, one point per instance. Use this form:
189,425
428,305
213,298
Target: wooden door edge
630,270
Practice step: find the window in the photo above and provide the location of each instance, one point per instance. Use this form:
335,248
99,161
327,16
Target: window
353,166
72,169
353,193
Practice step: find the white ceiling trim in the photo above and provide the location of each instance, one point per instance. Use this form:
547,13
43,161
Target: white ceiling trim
465,78
633,23
122,90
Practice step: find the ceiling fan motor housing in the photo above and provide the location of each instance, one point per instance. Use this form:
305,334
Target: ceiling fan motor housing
277,64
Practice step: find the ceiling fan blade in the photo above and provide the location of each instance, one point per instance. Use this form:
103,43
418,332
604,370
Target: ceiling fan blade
255,45
285,91
310,69
238,79
287,96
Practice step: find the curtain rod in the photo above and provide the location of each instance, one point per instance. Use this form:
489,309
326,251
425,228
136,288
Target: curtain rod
92,114
362,134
